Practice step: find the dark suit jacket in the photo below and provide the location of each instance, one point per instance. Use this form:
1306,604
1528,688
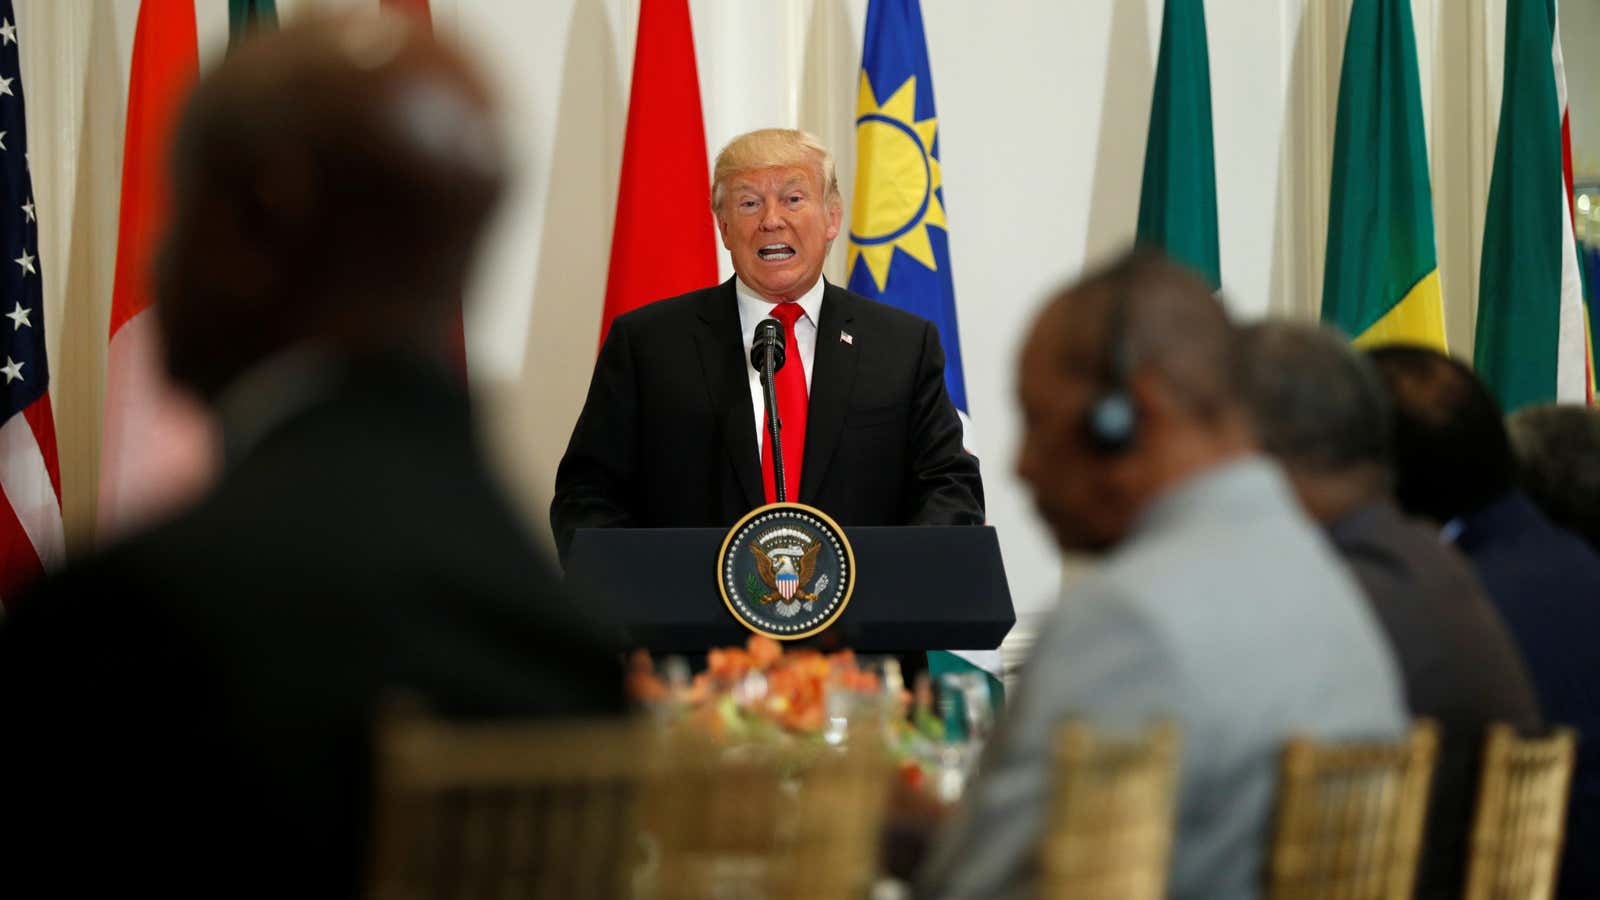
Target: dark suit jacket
667,434
1545,581
191,710
1458,661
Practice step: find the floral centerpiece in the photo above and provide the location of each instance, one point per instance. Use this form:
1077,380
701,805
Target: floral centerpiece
757,690
801,701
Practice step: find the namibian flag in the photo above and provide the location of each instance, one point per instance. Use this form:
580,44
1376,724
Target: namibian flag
899,238
1381,282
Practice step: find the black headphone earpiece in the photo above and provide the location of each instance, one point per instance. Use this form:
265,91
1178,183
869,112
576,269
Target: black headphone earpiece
1111,423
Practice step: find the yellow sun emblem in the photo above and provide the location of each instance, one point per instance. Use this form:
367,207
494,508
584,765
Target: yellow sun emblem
895,194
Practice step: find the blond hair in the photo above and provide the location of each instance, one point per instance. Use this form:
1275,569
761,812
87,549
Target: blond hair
770,148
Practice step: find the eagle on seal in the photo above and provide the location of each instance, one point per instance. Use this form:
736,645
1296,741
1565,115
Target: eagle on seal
784,577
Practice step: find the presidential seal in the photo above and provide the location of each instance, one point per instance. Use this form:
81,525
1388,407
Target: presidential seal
786,571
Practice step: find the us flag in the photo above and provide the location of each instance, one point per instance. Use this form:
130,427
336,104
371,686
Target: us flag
30,476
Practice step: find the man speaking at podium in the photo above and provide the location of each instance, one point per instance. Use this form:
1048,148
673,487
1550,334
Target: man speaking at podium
673,432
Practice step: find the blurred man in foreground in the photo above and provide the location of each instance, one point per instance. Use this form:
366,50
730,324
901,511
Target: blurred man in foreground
1558,463
192,709
1454,465
1322,411
1218,606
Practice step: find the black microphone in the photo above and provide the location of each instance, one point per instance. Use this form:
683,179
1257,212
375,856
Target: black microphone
766,354
768,341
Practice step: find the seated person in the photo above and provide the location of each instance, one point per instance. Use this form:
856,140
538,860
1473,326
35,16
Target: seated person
1453,464
1320,409
1558,463
1217,606
191,711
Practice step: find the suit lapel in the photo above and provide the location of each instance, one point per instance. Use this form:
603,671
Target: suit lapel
723,361
832,378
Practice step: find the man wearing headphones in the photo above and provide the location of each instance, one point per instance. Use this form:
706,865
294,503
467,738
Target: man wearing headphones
1218,606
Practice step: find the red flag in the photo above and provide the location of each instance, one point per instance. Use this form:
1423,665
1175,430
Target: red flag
164,65
664,242
156,447
457,338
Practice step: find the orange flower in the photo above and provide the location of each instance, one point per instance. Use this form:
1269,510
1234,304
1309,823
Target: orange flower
911,775
804,718
643,683
729,664
699,689
763,651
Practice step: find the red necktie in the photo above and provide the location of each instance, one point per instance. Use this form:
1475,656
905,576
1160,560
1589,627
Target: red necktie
790,383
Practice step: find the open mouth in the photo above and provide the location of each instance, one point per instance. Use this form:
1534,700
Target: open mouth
776,252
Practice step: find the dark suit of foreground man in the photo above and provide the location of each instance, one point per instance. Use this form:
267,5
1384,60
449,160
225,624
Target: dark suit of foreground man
670,434
191,711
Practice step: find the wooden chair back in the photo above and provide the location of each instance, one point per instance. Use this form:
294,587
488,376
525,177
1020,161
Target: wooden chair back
506,809
1111,815
756,823
1350,818
618,810
1522,814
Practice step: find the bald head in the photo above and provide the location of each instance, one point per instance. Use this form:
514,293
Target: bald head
1151,330
1146,313
331,181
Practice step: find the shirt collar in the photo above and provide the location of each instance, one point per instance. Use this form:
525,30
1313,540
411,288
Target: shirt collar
272,392
755,307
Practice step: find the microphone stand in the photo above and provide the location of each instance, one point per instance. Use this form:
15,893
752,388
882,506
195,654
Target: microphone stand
774,426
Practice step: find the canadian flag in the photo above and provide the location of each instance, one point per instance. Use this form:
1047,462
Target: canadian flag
157,447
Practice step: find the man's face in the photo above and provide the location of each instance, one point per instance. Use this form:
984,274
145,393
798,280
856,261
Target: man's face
1075,487
777,225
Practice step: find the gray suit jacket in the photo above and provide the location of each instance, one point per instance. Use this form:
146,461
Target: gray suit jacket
1225,611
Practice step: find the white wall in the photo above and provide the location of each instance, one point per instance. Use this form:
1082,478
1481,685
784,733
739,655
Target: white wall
1043,108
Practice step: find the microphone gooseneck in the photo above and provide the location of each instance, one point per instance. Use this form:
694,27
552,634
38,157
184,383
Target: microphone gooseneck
766,354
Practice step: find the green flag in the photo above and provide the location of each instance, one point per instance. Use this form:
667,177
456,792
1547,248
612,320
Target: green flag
245,15
1519,287
1381,282
1178,200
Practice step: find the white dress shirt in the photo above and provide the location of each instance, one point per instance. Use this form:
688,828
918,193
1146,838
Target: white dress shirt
752,309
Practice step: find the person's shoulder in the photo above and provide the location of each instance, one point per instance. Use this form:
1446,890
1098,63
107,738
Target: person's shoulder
1107,605
98,605
1385,539
670,311
876,312
1514,536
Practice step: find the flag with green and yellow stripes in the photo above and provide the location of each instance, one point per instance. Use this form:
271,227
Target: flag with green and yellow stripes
1381,282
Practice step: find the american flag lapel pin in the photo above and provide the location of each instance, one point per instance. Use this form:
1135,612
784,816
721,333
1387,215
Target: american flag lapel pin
846,337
